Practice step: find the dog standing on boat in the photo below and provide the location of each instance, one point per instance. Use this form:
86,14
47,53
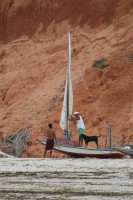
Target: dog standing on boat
90,139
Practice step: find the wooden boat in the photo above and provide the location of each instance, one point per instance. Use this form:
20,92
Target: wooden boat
73,150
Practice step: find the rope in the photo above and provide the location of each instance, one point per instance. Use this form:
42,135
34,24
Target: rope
81,76
96,107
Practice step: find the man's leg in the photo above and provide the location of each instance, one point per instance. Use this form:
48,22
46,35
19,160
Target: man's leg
80,141
50,152
81,131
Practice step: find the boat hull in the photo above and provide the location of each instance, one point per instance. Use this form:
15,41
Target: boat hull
87,152
80,152
125,151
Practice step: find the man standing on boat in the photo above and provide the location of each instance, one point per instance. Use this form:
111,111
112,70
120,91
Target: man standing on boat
51,136
80,125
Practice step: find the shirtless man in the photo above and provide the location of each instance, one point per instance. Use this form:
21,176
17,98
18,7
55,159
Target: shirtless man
50,139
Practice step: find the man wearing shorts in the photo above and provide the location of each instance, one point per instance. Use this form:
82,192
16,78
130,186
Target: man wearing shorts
80,126
51,136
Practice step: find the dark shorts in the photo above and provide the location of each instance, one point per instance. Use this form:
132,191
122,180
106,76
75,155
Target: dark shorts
49,144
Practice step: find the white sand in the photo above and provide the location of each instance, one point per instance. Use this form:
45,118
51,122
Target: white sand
71,179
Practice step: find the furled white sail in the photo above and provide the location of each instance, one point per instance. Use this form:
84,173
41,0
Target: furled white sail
68,95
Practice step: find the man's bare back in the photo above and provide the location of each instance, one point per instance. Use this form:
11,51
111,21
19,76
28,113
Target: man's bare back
50,134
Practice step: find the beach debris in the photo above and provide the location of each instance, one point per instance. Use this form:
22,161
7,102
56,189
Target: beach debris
15,143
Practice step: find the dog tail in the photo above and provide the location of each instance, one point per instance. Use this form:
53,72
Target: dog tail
99,135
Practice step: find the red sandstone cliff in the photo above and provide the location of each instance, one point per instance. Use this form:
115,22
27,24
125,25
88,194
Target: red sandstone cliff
33,59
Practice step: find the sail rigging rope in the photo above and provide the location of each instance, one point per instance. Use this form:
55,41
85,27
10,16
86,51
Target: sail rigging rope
81,76
95,105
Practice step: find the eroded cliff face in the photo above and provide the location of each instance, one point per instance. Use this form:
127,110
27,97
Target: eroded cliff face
20,17
33,60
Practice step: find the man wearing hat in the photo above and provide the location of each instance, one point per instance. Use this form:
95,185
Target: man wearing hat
80,125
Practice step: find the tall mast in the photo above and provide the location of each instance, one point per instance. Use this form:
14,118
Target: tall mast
68,77
68,95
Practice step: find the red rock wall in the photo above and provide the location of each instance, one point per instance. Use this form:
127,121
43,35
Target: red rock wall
33,60
23,17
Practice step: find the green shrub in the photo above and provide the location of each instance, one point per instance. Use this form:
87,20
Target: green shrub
100,63
130,57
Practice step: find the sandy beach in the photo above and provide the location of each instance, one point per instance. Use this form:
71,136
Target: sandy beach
71,179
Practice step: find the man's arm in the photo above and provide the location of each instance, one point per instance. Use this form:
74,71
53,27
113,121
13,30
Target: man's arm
74,119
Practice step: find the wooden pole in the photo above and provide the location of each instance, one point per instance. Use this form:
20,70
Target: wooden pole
108,141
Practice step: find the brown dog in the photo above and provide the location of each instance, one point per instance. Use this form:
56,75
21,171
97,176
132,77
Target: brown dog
90,139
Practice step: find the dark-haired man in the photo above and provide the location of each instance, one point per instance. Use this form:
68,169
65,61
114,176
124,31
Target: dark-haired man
51,136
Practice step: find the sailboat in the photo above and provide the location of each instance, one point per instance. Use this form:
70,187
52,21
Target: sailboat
67,145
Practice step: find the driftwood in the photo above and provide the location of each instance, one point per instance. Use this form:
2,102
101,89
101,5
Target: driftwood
15,143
